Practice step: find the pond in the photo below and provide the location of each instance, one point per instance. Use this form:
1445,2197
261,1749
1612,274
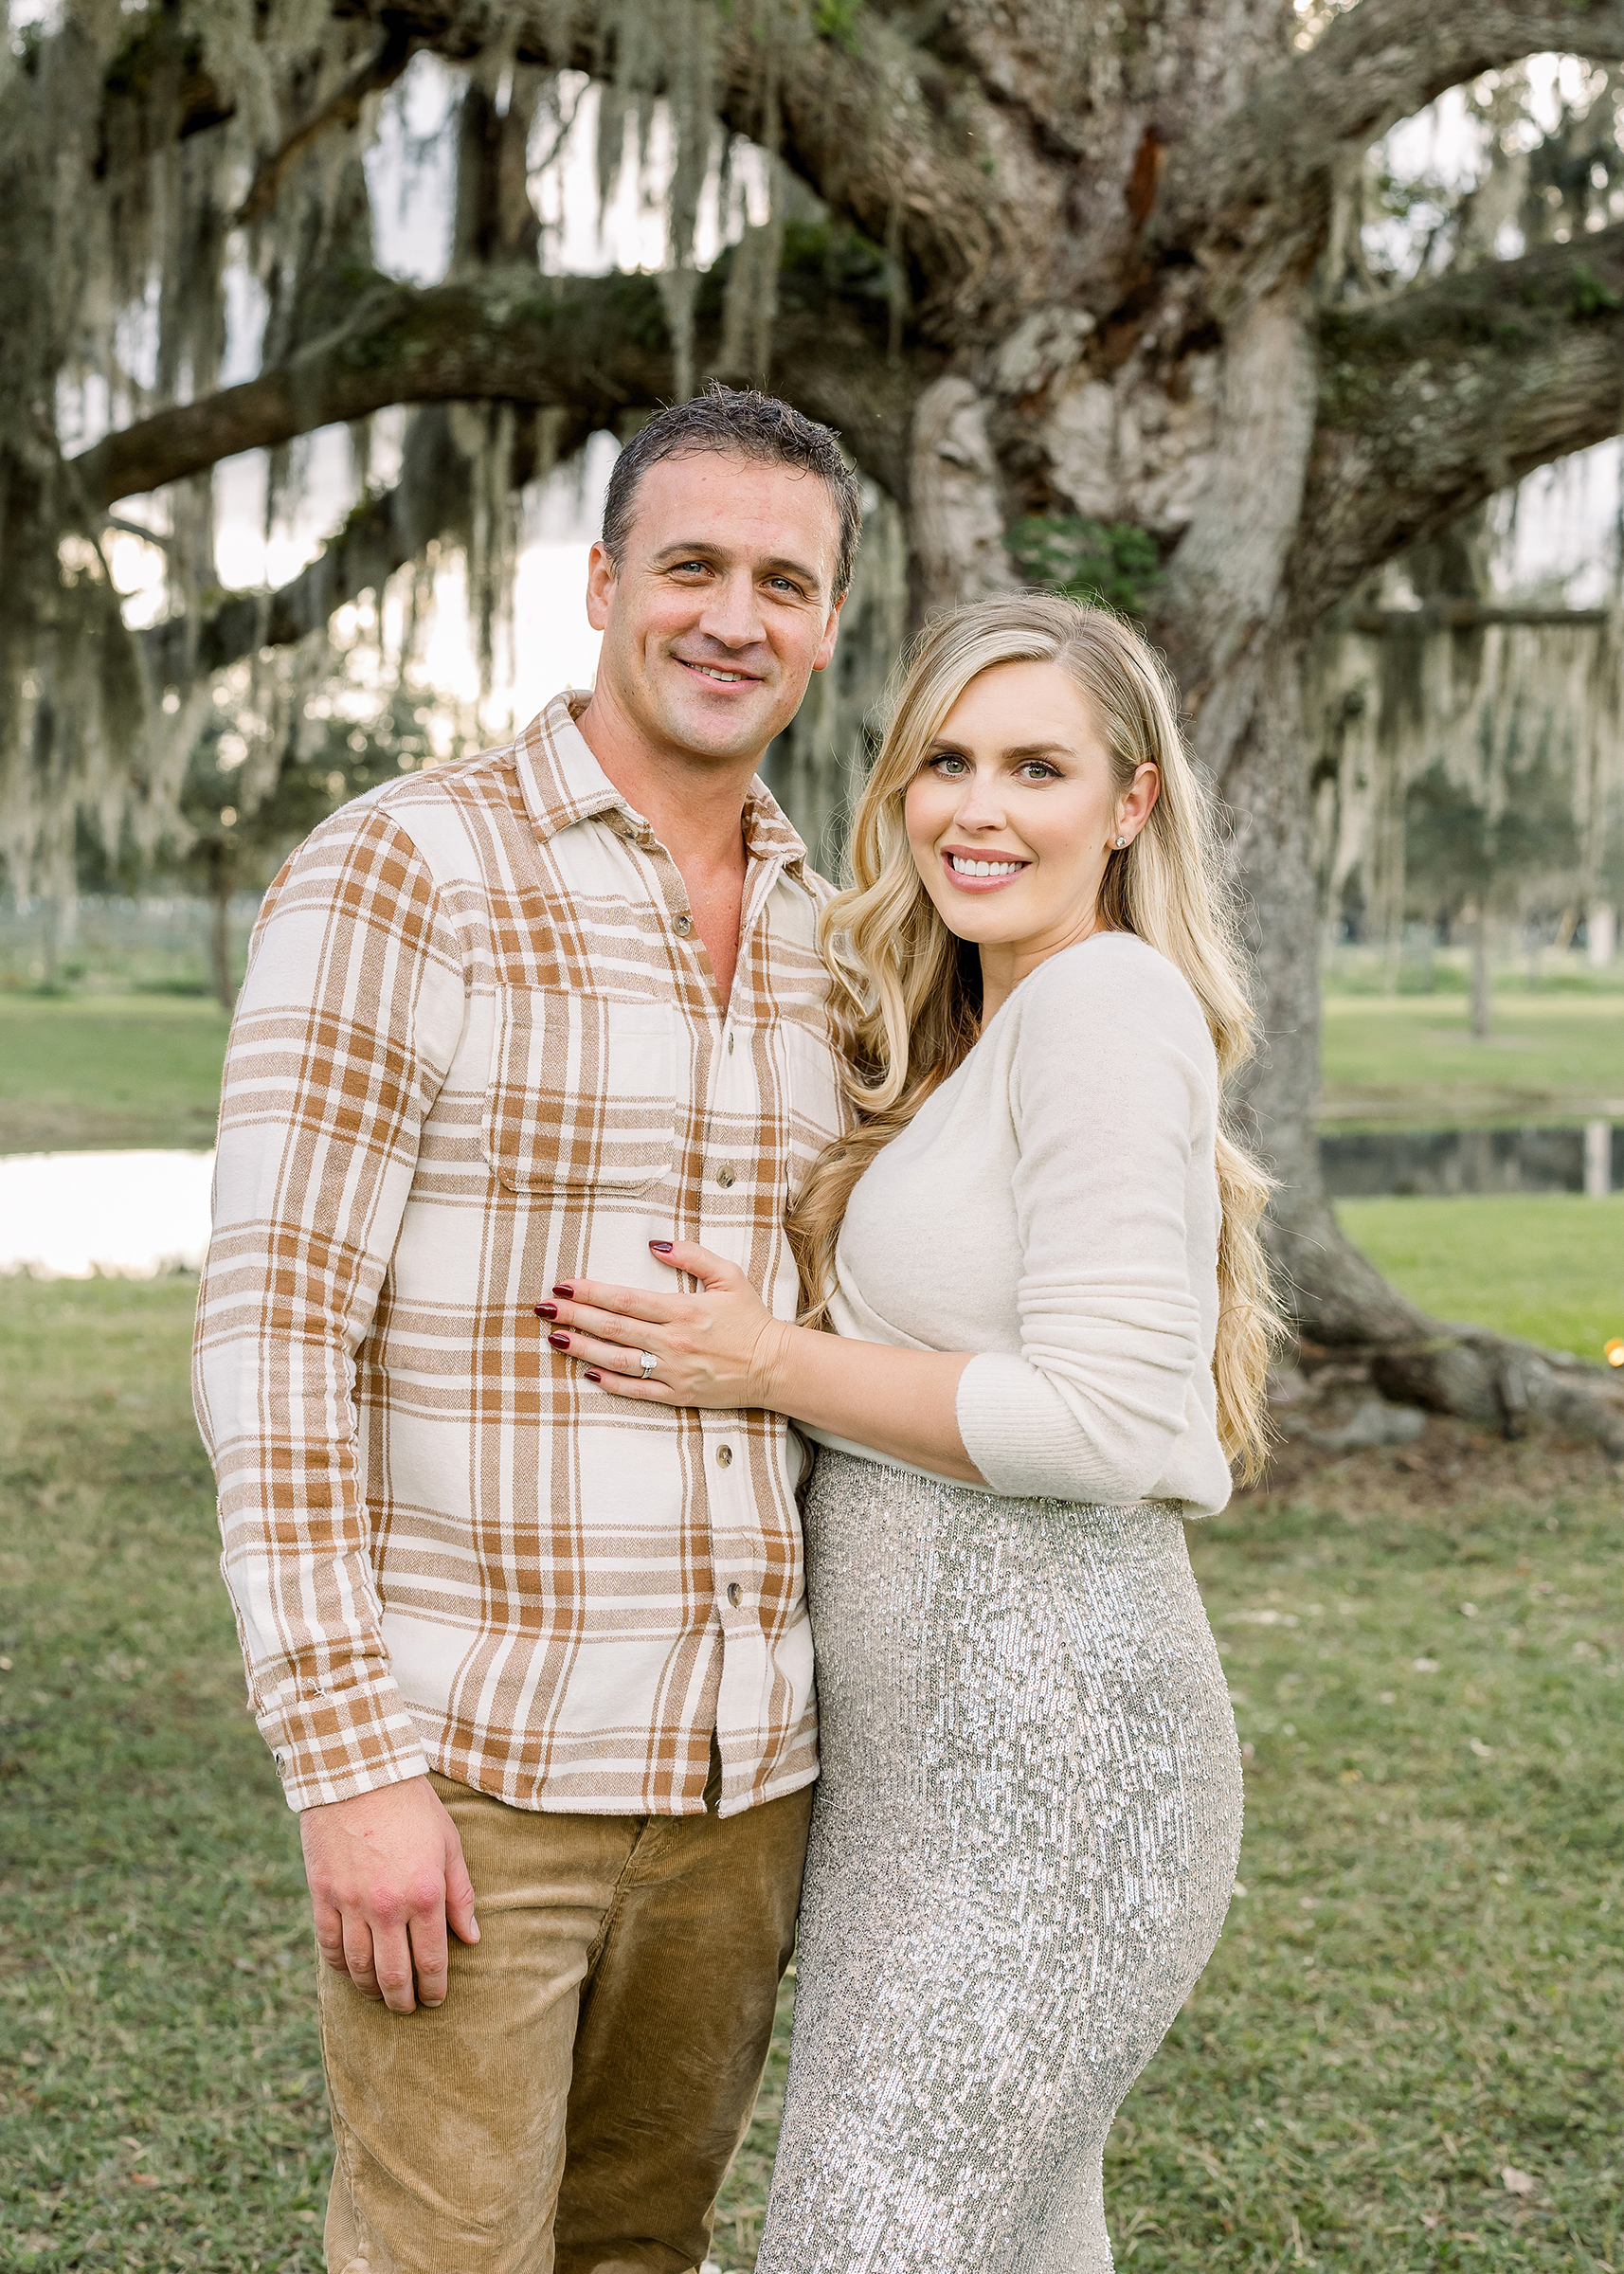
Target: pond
67,1215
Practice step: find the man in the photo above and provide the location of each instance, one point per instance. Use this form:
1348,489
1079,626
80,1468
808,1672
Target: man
512,1645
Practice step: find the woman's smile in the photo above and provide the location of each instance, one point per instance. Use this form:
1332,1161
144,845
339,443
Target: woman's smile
971,872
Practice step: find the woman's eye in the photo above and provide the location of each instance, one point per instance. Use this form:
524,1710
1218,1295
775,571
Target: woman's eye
1036,770
948,765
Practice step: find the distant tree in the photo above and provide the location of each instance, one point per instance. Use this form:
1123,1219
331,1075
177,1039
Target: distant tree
322,761
1471,854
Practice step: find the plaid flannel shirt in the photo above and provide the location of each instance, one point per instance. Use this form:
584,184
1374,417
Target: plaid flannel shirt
478,1050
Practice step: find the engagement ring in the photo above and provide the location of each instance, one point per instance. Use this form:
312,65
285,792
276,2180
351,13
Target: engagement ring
647,1363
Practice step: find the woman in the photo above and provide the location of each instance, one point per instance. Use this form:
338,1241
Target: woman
1039,1257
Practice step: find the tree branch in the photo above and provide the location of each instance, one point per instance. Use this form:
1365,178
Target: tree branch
1378,63
1468,616
883,130
594,348
379,537
341,109
1434,400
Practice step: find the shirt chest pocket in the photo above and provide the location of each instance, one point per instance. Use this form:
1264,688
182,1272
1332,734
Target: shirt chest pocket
581,1093
814,1109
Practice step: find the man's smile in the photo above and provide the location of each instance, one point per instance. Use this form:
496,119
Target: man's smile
720,673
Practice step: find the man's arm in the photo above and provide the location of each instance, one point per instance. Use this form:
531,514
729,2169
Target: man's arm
345,1029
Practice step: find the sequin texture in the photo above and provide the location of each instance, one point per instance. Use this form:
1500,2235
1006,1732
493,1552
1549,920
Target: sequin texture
1023,1848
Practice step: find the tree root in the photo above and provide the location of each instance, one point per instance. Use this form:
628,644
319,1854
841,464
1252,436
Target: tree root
1341,1397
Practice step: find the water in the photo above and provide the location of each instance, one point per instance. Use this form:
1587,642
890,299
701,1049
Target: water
69,1215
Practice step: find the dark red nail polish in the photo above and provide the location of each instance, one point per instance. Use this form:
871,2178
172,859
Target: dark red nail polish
662,1247
566,1290
559,1342
547,1310
592,1374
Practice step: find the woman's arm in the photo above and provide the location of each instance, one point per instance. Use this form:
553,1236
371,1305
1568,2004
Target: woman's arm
722,1348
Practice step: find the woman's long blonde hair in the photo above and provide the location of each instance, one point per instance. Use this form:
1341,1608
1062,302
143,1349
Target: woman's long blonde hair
906,1001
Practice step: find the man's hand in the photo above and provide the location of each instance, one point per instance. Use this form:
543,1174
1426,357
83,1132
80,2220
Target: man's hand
385,1875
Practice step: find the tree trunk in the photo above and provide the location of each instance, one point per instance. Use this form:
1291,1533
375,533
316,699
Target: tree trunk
1342,1307
50,960
222,876
1482,1000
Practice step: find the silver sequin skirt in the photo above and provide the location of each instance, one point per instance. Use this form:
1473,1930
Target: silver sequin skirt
1023,1845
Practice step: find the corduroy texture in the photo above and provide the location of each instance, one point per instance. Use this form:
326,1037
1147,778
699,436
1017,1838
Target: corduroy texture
597,2058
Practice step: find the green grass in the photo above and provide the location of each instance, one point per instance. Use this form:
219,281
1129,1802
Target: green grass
1411,1062
1419,1990
1416,1991
1547,1265
102,1071
89,1073
161,2102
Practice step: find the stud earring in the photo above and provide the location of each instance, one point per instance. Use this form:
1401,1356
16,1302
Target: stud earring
1121,842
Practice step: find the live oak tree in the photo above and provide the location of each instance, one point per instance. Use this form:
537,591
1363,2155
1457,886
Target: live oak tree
1090,263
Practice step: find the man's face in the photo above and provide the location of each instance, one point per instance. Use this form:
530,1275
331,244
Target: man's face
723,604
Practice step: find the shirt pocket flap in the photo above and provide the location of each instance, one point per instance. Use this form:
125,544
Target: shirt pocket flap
582,1092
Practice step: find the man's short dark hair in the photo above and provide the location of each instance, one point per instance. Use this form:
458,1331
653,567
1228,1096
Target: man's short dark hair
744,423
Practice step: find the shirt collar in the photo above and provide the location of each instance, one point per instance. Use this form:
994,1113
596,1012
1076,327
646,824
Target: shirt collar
562,783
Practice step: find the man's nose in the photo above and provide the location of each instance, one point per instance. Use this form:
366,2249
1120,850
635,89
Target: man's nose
733,612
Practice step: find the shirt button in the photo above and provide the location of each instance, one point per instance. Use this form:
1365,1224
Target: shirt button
725,1176
682,924
736,1594
724,1456
729,1042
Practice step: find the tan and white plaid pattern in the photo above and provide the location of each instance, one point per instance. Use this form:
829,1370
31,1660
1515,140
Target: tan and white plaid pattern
478,1050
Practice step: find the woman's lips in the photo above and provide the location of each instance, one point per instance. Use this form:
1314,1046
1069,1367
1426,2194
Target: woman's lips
963,883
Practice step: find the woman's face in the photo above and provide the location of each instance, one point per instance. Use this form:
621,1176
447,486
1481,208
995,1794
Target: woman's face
1012,816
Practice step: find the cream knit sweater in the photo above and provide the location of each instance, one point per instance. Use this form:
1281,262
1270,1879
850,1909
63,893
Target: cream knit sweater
1053,1207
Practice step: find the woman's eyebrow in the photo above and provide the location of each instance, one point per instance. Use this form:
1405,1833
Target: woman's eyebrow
1038,749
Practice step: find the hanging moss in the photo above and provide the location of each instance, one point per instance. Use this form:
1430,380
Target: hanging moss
1112,563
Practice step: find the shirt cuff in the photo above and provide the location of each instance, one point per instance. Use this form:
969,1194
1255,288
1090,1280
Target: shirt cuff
333,1739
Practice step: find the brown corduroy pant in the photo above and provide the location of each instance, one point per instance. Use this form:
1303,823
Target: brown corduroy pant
575,2102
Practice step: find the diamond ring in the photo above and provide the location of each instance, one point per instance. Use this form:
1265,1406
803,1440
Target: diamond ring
647,1363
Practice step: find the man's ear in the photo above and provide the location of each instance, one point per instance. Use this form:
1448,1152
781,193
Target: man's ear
831,632
599,586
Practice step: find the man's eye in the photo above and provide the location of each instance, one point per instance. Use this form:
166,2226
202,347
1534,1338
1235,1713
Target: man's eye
691,568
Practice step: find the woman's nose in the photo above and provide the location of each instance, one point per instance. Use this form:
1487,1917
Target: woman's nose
981,807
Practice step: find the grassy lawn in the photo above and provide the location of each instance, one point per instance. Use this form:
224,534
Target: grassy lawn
1548,1265
1411,1060
1415,1994
100,1071
90,1073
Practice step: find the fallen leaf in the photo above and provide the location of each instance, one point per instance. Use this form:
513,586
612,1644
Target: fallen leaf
1516,2182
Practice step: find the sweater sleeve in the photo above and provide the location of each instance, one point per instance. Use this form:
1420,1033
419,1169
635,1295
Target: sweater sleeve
1111,1076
